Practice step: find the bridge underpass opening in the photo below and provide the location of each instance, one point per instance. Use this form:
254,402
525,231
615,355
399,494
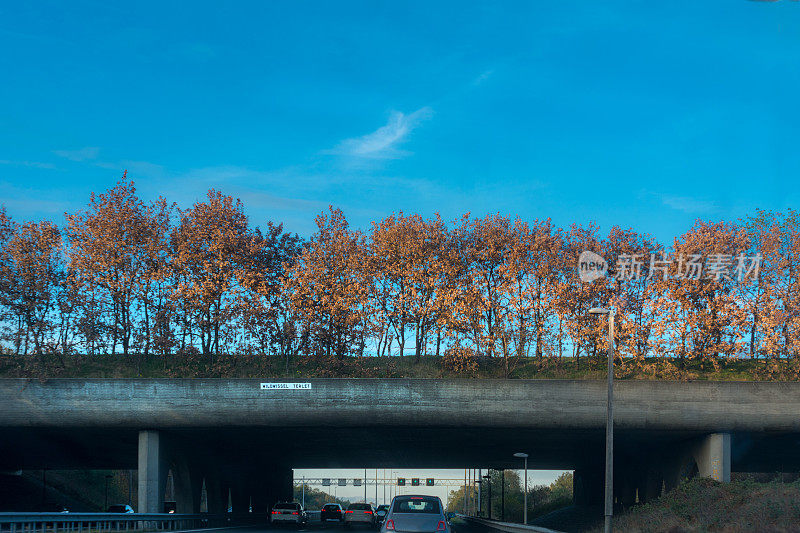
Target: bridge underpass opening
378,486
231,461
237,438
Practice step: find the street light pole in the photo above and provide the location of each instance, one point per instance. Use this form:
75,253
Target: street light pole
480,492
609,488
106,495
525,492
503,495
489,482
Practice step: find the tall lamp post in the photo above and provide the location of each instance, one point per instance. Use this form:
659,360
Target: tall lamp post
105,500
488,478
525,492
609,489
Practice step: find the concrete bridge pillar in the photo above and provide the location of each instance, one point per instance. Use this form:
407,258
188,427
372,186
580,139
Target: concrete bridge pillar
152,472
188,484
268,485
240,495
216,493
710,456
652,483
587,485
626,486
157,456
713,456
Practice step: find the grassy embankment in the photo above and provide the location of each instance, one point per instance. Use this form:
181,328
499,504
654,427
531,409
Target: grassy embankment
702,505
243,366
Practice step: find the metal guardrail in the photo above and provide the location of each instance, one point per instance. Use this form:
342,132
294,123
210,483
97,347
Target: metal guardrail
509,527
106,522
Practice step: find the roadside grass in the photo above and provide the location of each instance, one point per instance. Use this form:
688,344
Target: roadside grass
300,367
704,505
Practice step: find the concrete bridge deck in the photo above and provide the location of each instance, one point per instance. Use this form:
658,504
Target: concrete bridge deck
546,404
663,430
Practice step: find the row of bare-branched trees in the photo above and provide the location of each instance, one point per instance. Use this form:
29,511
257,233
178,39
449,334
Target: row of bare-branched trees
131,277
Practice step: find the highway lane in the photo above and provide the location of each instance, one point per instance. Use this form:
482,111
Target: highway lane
457,525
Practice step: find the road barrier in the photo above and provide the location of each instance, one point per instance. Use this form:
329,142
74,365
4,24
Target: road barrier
106,522
506,526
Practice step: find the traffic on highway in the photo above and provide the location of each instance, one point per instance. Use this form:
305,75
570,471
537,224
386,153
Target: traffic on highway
418,513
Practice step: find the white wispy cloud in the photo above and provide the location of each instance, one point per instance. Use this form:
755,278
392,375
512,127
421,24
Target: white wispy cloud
32,164
688,204
383,143
485,75
84,154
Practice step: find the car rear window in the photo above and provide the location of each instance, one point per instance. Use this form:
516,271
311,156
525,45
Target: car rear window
331,507
359,507
419,504
286,506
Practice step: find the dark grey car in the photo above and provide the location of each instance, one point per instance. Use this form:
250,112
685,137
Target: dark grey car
416,514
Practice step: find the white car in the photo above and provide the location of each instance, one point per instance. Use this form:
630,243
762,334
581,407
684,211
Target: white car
360,513
119,508
423,514
288,513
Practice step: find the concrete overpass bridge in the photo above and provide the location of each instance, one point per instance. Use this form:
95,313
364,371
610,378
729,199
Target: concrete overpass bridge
237,435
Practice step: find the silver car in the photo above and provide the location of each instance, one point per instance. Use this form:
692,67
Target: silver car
418,514
360,513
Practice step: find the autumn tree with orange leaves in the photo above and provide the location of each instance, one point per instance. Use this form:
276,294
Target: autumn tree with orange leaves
699,317
267,317
411,262
150,278
114,248
772,299
31,269
328,287
211,250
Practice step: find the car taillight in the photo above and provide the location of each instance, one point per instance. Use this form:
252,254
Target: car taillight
274,512
295,512
367,512
441,526
390,525
348,511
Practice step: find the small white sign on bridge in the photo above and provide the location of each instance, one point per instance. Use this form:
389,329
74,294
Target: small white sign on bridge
285,386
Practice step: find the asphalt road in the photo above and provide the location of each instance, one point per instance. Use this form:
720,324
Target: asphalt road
458,527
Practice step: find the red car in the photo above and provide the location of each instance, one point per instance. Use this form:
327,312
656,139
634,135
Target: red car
331,512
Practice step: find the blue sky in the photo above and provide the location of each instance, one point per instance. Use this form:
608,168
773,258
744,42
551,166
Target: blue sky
643,114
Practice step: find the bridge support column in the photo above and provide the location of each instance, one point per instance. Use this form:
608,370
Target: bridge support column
269,485
713,457
626,485
216,493
188,483
652,484
587,486
240,495
152,472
